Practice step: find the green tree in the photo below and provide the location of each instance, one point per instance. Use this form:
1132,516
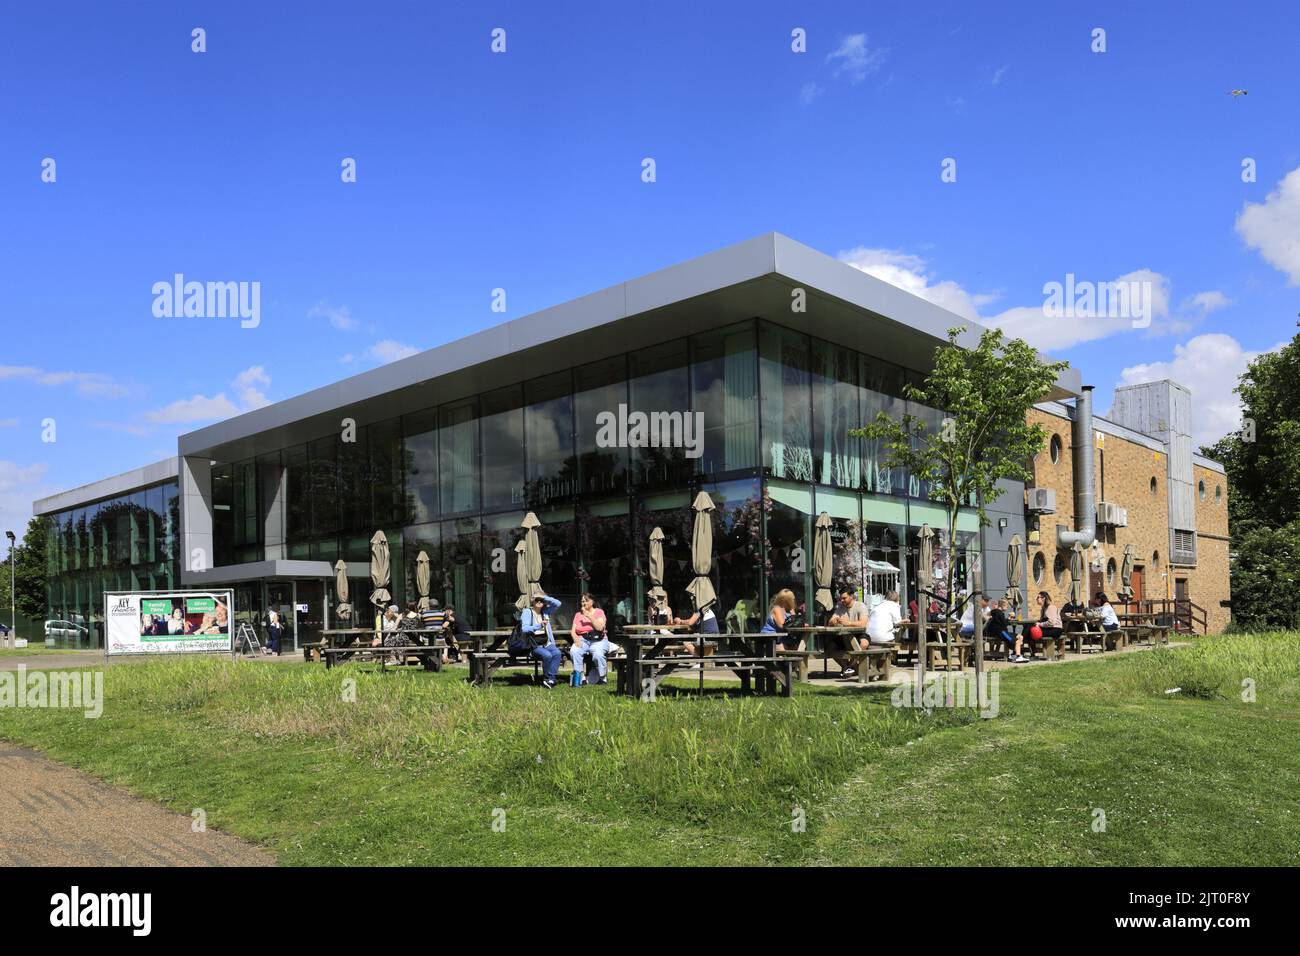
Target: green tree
1266,578
1262,460
30,570
986,393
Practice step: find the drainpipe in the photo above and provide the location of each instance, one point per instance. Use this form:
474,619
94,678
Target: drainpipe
1085,503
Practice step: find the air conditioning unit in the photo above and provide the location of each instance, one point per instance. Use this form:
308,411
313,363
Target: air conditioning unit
1112,515
1041,501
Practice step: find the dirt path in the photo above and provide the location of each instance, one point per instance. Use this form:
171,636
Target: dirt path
53,815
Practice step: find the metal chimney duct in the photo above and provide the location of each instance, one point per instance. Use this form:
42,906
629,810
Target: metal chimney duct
1085,497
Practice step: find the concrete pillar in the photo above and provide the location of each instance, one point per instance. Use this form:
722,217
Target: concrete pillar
273,483
197,551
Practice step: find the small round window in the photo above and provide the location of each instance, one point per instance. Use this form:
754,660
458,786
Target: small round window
1040,567
1155,558
1153,484
1110,573
1218,493
1200,488
1058,569
1055,447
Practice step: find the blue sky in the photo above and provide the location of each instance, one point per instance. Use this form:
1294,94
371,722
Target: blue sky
522,170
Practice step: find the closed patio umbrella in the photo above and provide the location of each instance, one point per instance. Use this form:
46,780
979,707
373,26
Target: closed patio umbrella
521,574
823,563
1015,564
379,572
532,554
342,609
1126,575
1076,574
422,579
657,563
701,587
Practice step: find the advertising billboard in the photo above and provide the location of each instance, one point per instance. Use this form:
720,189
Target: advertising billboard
167,622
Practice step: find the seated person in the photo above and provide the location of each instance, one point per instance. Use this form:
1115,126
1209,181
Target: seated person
967,628
849,612
536,621
454,630
701,622
998,627
778,614
1109,619
1049,616
885,616
589,636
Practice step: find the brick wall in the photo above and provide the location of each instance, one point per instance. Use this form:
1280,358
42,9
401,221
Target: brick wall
1124,470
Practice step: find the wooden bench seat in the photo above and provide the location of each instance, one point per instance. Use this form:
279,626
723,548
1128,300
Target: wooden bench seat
875,663
655,669
483,663
802,659
429,656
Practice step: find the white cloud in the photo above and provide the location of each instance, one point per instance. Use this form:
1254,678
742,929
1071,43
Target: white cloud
1207,302
1029,322
810,92
1050,333
1273,227
999,72
908,273
854,58
338,316
247,387
1209,365
387,350
20,485
88,384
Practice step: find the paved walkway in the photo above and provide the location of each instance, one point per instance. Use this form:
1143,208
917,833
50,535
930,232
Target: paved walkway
53,815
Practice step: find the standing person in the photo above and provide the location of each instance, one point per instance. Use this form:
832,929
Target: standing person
590,635
274,634
535,623
781,610
885,616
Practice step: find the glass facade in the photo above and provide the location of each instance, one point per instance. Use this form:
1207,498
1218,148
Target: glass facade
128,543
774,408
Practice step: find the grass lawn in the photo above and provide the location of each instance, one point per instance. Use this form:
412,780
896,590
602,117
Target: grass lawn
420,766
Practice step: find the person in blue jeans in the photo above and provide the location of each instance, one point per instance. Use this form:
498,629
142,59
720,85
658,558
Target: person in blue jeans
536,620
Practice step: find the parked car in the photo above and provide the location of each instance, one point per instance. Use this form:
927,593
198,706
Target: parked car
68,631
4,630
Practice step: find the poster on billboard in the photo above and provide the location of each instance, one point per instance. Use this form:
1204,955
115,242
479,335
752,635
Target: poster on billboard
167,622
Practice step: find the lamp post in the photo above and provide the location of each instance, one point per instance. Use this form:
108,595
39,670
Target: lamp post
13,618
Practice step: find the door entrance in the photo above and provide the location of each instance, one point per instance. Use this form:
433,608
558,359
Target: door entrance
1135,582
310,604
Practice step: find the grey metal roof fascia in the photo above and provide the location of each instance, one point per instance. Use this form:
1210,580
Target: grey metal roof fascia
715,270
110,487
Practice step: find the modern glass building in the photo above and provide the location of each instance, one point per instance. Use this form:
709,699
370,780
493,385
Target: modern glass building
774,351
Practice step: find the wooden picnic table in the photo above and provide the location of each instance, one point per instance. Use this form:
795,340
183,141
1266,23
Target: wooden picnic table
819,630
645,654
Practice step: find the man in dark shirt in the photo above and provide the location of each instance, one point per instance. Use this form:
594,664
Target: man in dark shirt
999,627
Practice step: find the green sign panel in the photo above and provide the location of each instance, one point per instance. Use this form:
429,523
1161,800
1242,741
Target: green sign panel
199,605
155,607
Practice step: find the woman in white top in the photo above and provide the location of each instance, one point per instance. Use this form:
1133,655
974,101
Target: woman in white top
884,617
